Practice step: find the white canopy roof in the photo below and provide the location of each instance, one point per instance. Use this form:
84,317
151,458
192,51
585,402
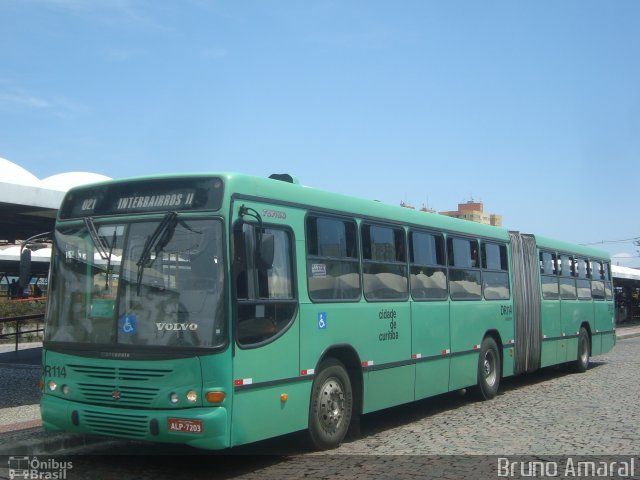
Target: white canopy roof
625,272
18,186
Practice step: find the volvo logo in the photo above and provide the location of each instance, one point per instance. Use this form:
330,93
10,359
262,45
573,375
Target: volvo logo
115,394
176,326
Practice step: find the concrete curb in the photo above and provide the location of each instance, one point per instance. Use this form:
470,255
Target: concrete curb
35,441
630,334
12,427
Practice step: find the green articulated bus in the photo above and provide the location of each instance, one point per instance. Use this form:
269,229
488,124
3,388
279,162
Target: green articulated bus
216,310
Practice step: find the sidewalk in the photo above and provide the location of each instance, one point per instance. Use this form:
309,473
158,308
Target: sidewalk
626,330
19,418
21,430
20,372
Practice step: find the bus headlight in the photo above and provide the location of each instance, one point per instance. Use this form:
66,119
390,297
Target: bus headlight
65,390
192,396
52,385
173,398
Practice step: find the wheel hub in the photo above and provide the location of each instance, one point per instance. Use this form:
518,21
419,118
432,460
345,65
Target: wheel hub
332,405
584,350
489,368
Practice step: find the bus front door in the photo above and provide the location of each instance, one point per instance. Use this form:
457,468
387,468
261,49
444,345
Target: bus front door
268,398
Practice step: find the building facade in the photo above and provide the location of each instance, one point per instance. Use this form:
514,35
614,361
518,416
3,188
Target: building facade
474,212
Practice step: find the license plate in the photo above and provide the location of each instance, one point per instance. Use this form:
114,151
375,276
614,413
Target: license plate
186,426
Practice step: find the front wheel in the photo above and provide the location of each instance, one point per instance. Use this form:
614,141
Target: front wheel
584,347
331,405
489,370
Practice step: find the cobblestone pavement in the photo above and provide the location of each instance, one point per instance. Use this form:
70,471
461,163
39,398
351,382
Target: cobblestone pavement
552,414
19,386
552,411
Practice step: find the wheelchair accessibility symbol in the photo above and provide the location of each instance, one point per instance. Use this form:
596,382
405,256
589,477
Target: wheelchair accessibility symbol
128,324
322,320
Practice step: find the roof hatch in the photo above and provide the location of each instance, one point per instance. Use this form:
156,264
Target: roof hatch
284,177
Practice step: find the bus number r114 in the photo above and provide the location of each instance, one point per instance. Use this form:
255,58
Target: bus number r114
55,371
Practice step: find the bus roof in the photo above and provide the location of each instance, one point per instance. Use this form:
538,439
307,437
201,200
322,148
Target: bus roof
560,246
320,200
294,193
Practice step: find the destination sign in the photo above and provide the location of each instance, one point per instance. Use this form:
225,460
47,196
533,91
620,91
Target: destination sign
138,196
156,201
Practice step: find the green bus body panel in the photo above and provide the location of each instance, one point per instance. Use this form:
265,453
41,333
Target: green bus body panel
431,342
574,313
388,387
596,326
405,350
608,341
604,322
274,361
144,389
380,334
552,347
470,321
258,412
344,324
134,424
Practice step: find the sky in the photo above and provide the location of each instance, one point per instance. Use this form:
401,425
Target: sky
532,107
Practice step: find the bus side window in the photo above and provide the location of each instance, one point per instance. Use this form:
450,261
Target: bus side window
495,274
608,287
464,272
597,280
549,275
428,268
548,263
582,283
333,267
567,278
384,263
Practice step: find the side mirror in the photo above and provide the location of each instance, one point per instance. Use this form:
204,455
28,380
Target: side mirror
25,267
266,251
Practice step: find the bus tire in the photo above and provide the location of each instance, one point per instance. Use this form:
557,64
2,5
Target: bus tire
331,405
489,369
584,347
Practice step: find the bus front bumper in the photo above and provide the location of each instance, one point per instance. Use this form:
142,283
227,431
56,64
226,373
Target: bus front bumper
198,427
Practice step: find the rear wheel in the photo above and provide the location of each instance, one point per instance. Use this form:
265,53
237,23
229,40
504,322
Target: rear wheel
584,347
488,369
331,405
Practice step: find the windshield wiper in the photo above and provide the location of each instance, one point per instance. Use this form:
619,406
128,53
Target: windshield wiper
159,239
113,244
95,238
101,248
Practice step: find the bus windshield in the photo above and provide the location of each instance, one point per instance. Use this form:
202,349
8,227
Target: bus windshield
153,283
